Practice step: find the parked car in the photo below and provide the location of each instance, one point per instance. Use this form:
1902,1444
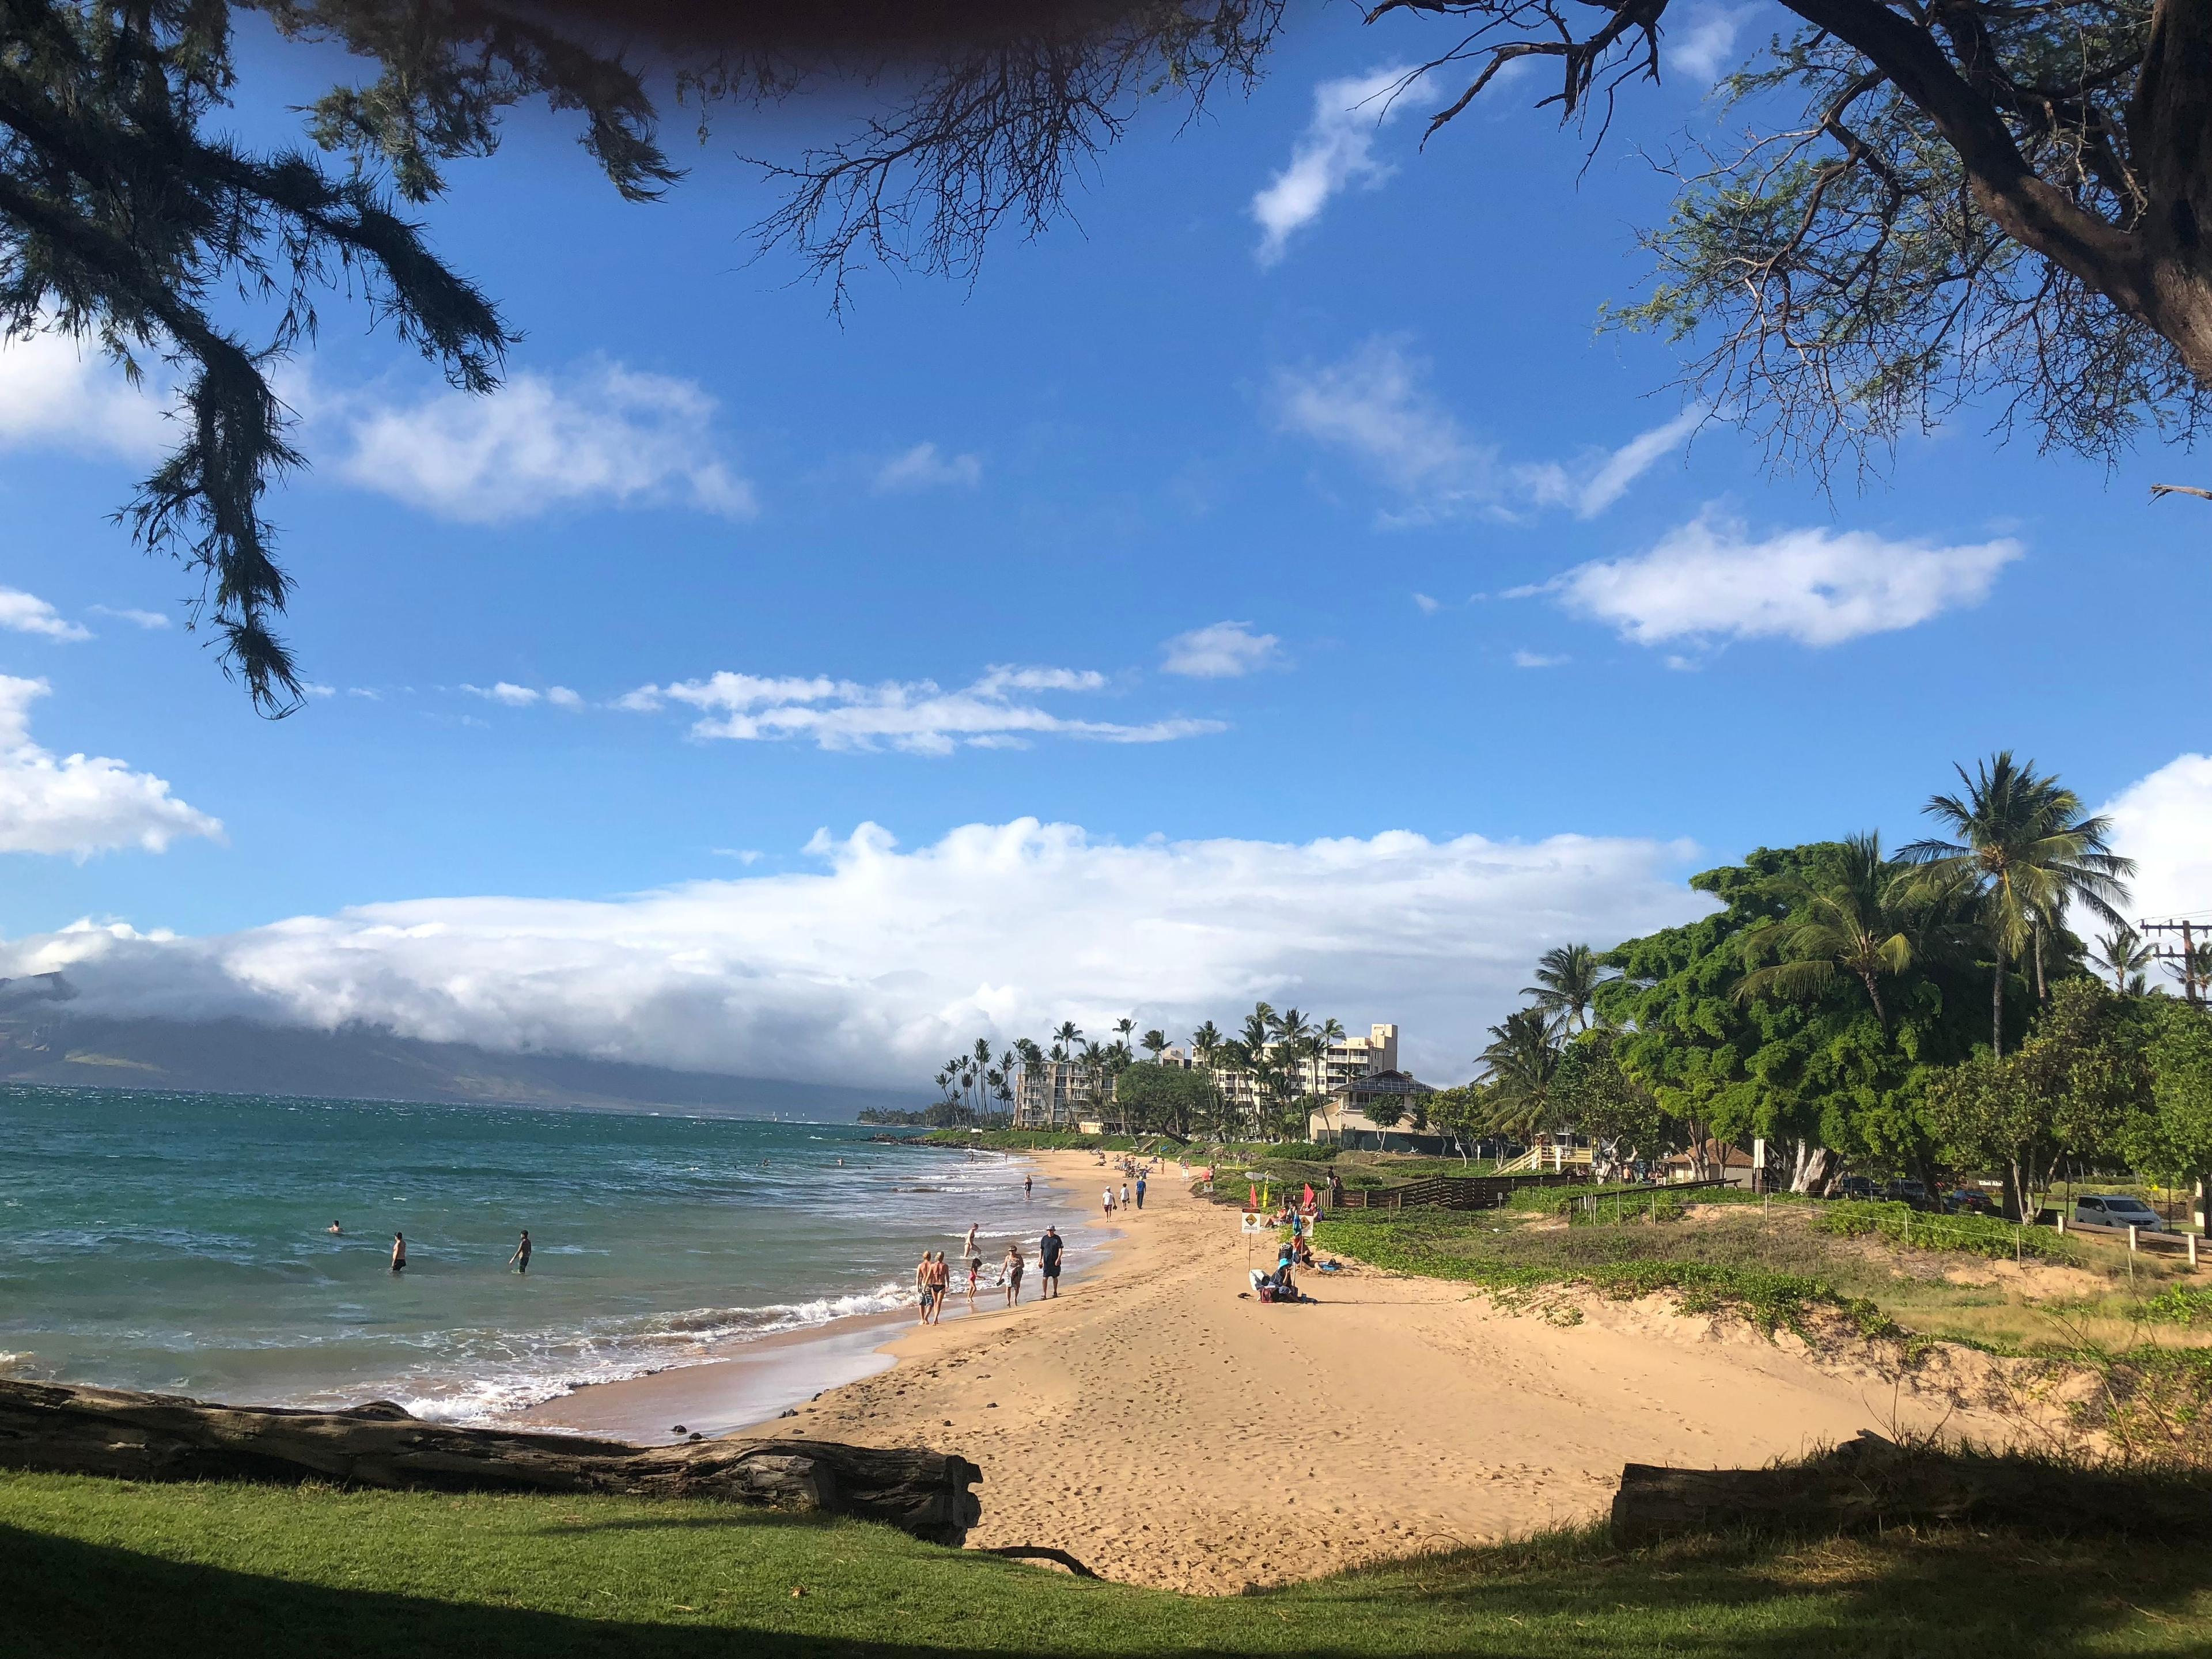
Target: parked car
1914,1193
2111,1210
1857,1187
1969,1201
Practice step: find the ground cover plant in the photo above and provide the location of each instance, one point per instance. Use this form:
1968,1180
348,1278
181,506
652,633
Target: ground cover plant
90,1567
1783,1264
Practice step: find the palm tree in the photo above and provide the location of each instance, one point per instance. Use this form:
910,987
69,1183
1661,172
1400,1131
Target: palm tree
1857,923
1326,1035
2124,954
1155,1043
1567,978
1205,1047
1519,1067
2022,841
1290,1028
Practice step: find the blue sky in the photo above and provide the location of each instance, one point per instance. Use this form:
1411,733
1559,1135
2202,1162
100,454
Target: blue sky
1367,469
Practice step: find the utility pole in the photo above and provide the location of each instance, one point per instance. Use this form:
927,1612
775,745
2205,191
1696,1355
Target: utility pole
2187,956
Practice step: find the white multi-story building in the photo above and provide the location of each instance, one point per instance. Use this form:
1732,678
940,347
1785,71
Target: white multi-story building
1347,1060
1059,1095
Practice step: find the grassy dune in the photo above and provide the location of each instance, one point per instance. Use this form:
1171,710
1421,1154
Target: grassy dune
94,1568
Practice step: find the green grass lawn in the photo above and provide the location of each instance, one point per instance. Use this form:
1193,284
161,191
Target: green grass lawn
92,1567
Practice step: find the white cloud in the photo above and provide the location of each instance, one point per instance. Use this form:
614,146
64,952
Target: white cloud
141,618
1221,651
1709,581
2158,822
561,697
371,694
1591,488
76,805
514,696
1376,406
1704,47
56,394
601,434
1428,607
918,716
923,468
27,613
1536,659
875,965
1336,150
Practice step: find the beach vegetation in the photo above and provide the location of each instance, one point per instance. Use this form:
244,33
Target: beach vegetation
92,1568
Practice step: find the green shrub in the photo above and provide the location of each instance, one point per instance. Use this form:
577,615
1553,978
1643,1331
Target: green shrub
1974,1235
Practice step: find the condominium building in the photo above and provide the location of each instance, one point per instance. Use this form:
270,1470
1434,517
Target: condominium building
1347,1060
1059,1094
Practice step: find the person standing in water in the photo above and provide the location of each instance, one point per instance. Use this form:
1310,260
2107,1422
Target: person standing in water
334,1229
520,1260
973,1253
399,1252
1025,1186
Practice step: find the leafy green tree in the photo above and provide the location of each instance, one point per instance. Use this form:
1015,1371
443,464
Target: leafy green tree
2029,849
2080,1087
1596,1096
1820,1069
1567,978
1150,1097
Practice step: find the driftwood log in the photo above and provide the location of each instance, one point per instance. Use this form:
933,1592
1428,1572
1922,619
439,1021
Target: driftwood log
1870,1482
153,1436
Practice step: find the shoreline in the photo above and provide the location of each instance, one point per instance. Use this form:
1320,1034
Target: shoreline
759,1383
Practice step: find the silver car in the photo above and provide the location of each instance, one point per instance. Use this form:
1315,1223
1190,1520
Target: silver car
2110,1210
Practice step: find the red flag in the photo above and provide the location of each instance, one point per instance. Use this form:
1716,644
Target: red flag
1309,1194
1252,1198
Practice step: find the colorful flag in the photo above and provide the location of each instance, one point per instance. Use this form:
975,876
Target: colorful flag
1251,1198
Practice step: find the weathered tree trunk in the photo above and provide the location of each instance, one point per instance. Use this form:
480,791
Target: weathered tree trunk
153,1436
1816,1171
1871,1482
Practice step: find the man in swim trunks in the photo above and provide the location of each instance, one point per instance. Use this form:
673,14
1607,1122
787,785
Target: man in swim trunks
924,1283
1025,1186
1049,1249
520,1260
399,1252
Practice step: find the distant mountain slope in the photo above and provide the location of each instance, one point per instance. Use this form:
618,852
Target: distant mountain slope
41,1042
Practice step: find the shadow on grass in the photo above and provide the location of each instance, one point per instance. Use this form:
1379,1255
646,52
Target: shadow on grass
1930,1596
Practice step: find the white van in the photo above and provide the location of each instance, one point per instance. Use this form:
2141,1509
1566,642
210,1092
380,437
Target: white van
2109,1209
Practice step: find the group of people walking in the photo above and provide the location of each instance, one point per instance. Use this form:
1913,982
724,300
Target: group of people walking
933,1275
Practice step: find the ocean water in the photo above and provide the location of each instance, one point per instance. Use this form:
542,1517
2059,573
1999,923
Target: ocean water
178,1242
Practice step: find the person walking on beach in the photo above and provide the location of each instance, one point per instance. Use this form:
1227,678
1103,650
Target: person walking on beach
1125,1195
1048,1249
1108,1197
973,1252
399,1252
1140,1192
520,1260
924,1283
1011,1274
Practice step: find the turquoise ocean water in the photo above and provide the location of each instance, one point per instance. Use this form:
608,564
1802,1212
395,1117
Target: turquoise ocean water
177,1243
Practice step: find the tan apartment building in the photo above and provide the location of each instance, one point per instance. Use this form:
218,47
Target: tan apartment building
1347,1060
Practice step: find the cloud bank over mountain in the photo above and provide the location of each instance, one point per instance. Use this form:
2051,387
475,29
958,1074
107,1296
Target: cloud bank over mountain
873,967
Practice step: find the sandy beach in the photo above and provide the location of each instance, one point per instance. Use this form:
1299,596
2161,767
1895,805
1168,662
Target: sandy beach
1166,1431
